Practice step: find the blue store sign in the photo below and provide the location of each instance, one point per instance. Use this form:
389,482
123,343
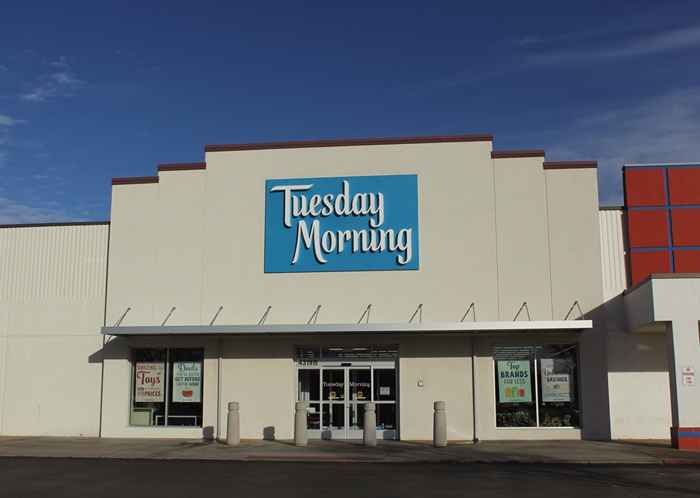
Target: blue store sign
350,223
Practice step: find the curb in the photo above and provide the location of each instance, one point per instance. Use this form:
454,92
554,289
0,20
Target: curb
361,460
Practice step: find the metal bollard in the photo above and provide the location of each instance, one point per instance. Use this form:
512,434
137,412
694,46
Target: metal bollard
300,414
233,425
439,425
369,436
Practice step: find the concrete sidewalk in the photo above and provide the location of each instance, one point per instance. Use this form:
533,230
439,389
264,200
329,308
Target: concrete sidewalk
550,452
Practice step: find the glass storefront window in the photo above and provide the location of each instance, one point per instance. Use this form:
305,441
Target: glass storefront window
167,387
536,386
313,416
386,416
515,390
185,394
309,385
309,389
384,384
556,382
148,387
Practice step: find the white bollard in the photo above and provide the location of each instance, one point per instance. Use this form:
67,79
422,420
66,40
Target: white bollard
369,436
300,414
233,425
439,425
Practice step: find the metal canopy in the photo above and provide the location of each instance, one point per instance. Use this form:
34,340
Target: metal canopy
351,328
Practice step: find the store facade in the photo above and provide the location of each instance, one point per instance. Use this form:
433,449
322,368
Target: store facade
393,271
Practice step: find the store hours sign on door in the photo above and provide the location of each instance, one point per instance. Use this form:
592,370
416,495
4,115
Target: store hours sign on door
351,223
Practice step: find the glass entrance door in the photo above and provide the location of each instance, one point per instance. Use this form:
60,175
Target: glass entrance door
360,392
337,396
334,404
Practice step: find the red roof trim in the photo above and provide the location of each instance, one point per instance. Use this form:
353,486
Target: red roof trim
507,154
569,164
301,144
134,180
181,166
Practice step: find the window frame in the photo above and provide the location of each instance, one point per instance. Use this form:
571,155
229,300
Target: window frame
536,382
167,394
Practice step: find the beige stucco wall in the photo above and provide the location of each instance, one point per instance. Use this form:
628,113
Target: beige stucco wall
491,232
572,213
628,369
523,246
443,364
496,232
52,299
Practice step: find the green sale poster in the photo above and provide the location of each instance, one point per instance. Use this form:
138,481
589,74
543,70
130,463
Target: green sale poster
514,384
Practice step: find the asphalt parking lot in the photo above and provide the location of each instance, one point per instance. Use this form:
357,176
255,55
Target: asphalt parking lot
60,477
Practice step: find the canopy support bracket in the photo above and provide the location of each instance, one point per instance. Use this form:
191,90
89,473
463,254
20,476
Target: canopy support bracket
527,310
419,312
264,317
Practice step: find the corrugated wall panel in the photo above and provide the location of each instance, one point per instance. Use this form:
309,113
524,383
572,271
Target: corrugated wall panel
66,262
613,252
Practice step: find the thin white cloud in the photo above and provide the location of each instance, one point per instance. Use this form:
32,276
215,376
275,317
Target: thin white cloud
62,61
6,120
536,51
60,82
665,128
657,43
12,212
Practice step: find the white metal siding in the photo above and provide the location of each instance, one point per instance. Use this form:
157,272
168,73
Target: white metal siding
52,298
612,244
66,262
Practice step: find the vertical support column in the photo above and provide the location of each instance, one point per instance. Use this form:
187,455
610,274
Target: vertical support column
233,425
300,414
683,349
369,435
439,425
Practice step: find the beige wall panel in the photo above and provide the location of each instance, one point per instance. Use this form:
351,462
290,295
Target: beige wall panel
613,253
594,381
574,240
132,254
260,374
640,405
116,385
638,379
53,386
486,388
523,246
56,317
3,377
180,250
443,365
457,237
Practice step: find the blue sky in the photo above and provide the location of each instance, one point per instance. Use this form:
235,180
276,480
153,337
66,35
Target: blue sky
94,90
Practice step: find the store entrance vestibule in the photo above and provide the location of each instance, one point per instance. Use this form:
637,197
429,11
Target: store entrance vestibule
337,392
